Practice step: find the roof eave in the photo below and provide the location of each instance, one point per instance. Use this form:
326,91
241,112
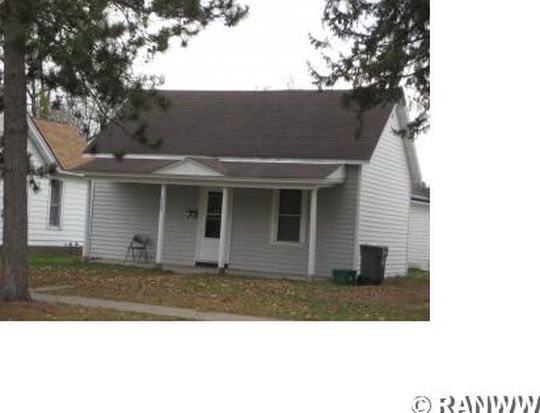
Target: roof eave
181,157
224,181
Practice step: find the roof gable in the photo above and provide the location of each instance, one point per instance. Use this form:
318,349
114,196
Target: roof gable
187,167
252,124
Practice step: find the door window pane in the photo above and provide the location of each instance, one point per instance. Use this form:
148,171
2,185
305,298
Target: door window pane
214,202
213,215
213,227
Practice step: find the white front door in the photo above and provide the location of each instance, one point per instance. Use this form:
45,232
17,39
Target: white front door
210,226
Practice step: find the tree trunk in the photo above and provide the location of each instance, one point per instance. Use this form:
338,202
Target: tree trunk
14,285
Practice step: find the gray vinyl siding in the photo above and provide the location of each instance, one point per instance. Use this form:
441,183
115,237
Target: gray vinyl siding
385,199
418,249
180,233
336,214
121,210
251,248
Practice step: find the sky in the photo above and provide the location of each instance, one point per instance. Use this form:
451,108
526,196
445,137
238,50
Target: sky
269,49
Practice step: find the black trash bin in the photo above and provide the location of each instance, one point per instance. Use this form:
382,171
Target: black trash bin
372,264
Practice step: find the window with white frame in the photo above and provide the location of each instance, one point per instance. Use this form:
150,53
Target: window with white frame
55,203
289,216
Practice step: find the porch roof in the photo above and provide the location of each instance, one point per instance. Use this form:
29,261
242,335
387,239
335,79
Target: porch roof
213,169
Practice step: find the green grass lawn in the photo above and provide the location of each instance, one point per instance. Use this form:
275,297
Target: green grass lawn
400,298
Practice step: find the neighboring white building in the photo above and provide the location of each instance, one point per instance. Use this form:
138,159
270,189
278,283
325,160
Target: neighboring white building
418,249
265,181
57,211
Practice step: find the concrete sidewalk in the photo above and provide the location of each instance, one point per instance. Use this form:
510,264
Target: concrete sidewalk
161,310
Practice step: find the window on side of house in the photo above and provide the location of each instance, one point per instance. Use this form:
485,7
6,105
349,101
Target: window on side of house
289,216
55,203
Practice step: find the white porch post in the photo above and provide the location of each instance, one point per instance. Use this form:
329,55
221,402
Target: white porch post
88,223
312,233
161,224
224,229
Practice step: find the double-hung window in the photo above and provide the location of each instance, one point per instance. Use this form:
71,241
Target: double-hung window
55,203
289,216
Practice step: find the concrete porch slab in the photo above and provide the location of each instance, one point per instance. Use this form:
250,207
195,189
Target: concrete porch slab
192,269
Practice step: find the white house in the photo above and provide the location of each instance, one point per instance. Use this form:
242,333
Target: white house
418,244
271,181
57,211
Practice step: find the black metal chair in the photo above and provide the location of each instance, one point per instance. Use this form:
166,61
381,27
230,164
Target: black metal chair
138,248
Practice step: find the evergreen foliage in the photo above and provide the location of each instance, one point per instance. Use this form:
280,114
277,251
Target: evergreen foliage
387,52
83,50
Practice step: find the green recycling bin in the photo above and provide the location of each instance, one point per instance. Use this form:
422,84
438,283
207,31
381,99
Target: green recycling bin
344,277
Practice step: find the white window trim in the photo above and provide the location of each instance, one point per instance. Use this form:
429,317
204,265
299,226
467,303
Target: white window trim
62,196
274,221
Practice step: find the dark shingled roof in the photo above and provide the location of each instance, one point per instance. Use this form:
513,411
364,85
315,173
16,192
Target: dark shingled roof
278,170
256,124
227,169
123,165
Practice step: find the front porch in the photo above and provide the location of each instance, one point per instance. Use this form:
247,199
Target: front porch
272,227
